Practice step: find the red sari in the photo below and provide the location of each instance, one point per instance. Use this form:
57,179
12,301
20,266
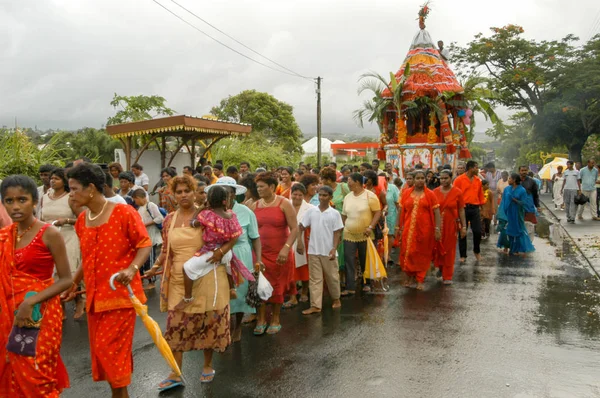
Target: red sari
418,235
106,250
445,253
23,270
274,231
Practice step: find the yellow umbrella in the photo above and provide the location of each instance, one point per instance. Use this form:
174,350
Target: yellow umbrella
551,168
374,268
142,311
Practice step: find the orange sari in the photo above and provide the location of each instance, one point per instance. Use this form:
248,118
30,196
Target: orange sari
418,235
106,250
445,253
45,374
285,192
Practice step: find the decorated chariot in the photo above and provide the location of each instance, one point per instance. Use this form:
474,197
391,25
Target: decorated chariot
427,117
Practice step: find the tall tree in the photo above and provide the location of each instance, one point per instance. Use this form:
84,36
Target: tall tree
519,70
269,117
138,107
573,113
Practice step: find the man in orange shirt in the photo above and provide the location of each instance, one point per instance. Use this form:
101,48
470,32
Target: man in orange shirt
470,185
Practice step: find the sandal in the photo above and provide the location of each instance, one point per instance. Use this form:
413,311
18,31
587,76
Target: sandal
170,383
347,293
208,377
288,304
273,329
259,330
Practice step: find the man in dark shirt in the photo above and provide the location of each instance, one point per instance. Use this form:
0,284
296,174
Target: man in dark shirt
531,187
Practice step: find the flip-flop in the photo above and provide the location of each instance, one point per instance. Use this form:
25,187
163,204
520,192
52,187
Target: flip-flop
259,330
273,329
211,375
287,305
173,384
347,293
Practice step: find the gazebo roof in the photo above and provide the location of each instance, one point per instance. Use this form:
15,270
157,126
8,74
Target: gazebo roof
429,74
182,125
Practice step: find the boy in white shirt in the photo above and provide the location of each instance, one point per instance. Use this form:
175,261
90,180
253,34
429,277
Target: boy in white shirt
325,234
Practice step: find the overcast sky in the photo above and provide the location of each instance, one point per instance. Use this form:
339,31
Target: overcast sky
62,60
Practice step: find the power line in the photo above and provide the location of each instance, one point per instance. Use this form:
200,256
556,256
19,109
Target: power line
223,44
238,42
594,26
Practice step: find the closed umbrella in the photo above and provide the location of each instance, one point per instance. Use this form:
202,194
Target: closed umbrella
142,311
374,268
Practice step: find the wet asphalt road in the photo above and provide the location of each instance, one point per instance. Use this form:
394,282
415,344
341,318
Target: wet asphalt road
508,327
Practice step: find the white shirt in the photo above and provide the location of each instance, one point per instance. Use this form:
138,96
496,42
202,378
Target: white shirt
323,224
571,177
142,180
150,213
116,199
301,259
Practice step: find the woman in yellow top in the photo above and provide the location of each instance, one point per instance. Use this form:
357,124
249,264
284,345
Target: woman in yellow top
361,212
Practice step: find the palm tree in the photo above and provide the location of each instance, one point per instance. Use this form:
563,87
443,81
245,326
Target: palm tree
374,109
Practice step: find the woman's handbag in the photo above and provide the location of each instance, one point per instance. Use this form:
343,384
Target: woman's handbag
252,298
23,340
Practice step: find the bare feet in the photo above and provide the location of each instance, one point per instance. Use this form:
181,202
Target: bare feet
248,318
477,256
311,310
79,309
303,299
447,282
336,304
236,335
463,260
232,294
420,286
150,286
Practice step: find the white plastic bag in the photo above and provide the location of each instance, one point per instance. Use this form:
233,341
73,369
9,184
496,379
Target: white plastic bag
264,288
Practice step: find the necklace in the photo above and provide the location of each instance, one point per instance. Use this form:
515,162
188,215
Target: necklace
90,218
20,236
185,217
265,204
53,197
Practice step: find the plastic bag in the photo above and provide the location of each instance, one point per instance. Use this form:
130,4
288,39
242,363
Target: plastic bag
264,288
374,268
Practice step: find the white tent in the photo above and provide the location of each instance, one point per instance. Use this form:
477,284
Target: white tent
310,146
550,169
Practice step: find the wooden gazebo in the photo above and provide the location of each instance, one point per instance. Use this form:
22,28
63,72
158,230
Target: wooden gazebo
196,134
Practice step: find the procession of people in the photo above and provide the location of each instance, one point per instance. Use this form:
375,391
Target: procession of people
308,237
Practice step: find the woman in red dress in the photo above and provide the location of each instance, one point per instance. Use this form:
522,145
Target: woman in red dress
452,209
278,229
29,250
113,240
420,228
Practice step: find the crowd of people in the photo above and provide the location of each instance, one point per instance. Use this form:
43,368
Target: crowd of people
210,233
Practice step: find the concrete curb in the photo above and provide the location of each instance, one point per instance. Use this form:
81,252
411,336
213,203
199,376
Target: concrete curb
572,239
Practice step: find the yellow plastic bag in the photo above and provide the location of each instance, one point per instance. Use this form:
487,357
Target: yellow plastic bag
374,268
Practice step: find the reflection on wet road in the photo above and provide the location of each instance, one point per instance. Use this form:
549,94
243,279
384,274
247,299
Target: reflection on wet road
508,327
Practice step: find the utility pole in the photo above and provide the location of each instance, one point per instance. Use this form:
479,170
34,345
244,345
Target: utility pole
319,121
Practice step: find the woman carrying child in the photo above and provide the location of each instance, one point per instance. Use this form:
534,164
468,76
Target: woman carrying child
221,230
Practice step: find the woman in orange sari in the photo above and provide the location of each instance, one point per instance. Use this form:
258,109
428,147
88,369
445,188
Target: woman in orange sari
285,183
420,228
452,209
29,250
113,240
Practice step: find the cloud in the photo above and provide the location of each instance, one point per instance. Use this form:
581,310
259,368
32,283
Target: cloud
64,59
